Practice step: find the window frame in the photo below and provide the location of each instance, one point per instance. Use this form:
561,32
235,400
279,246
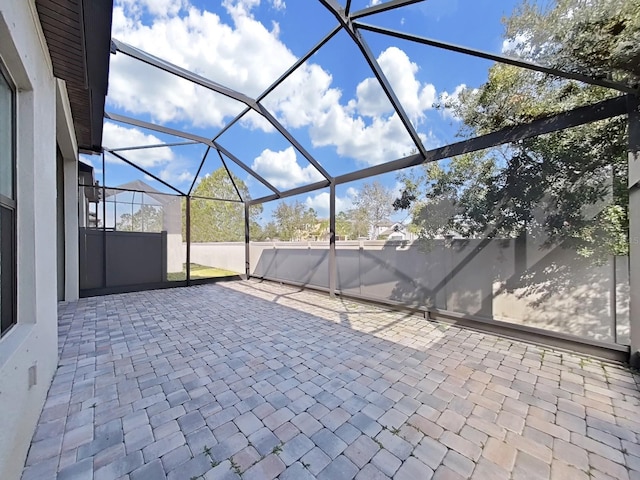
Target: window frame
8,205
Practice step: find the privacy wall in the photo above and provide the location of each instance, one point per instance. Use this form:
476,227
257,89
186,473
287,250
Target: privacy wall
496,279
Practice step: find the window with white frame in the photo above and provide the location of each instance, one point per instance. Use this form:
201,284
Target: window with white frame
7,202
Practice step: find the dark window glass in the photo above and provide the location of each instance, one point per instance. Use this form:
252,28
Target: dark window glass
7,205
6,137
7,275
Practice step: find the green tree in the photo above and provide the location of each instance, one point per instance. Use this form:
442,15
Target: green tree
269,232
373,205
344,230
148,218
599,38
295,221
215,220
359,225
571,184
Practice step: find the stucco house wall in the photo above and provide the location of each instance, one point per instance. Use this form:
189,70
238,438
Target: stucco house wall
28,352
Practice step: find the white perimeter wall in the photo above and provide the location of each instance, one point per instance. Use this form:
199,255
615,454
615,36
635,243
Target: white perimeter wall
33,341
226,255
176,253
564,293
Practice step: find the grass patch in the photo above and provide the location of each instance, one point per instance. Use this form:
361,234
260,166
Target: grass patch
199,271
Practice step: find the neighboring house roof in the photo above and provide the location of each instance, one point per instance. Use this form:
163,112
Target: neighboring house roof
385,224
395,228
141,187
78,35
171,206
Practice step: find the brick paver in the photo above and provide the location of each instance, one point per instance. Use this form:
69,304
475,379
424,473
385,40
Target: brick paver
258,380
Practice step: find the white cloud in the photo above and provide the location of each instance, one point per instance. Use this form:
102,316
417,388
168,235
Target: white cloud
161,8
371,99
382,140
201,42
414,96
282,170
247,56
308,99
254,121
177,174
116,136
450,100
240,7
139,89
429,140
320,203
303,96
174,169
520,45
245,6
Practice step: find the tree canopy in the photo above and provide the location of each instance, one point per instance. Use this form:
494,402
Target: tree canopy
597,38
216,220
147,218
373,205
569,186
295,221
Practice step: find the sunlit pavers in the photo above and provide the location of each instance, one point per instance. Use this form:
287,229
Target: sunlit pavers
257,381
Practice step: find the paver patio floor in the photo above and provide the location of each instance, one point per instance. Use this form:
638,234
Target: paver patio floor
257,381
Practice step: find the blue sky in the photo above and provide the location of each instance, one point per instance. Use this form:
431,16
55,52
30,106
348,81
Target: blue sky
332,105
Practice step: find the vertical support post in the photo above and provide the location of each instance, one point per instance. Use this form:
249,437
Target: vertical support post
448,267
188,239
520,253
247,239
613,300
104,225
71,224
634,227
332,238
360,261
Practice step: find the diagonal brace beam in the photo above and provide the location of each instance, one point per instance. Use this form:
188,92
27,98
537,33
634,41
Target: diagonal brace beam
285,133
146,172
180,72
157,145
496,58
574,118
195,177
282,78
116,117
382,7
360,42
242,165
233,182
206,83
177,133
